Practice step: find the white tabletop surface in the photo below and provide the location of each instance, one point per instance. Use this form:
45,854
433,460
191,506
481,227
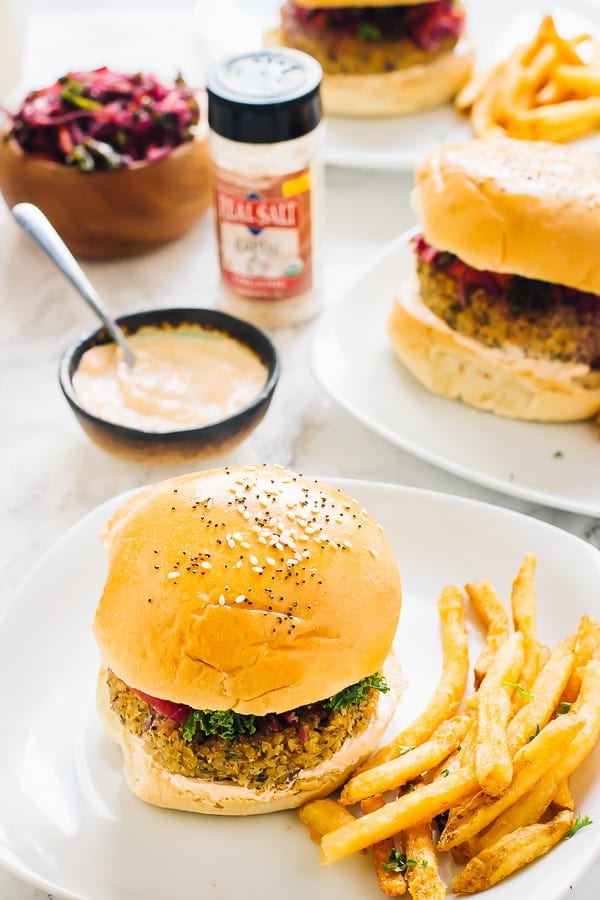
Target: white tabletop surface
50,473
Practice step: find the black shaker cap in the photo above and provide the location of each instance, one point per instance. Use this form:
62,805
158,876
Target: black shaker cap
265,96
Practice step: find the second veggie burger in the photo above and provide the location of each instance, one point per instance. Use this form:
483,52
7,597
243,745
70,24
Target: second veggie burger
380,59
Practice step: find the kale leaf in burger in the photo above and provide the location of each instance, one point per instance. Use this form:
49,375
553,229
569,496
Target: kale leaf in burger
380,59
503,311
245,628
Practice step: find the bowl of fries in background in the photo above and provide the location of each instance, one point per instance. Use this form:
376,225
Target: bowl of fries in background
547,89
481,776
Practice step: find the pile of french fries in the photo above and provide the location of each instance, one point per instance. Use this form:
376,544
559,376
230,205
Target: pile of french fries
548,89
484,776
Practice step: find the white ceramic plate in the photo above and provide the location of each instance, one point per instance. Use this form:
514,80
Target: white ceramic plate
352,358
232,26
69,825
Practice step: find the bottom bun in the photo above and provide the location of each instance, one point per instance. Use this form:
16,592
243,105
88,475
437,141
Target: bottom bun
453,365
396,93
151,782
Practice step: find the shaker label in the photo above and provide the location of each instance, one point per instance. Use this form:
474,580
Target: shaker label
265,235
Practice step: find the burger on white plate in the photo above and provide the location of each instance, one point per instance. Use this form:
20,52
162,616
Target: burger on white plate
382,58
245,629
503,309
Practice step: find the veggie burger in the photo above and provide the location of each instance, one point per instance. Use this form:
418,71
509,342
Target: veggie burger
502,309
245,629
382,58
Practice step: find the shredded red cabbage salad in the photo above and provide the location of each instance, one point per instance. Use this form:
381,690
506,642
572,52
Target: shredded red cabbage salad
528,292
104,120
427,25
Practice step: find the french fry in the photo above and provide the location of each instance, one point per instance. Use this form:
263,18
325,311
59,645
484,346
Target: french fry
583,80
536,73
526,811
544,35
522,602
511,853
423,878
566,49
552,789
463,756
545,89
452,684
534,761
552,92
392,884
533,805
547,690
493,762
413,762
483,112
511,88
322,816
563,798
421,805
472,90
587,708
491,611
587,645
566,121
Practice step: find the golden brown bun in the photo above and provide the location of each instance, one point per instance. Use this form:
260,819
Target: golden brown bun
397,93
151,782
320,582
523,207
453,365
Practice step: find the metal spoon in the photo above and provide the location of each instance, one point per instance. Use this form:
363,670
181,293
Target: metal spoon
33,221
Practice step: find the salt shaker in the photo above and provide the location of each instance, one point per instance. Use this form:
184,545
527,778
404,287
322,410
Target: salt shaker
264,113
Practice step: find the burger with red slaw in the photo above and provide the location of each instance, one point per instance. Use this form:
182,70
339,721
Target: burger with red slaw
246,630
380,59
503,308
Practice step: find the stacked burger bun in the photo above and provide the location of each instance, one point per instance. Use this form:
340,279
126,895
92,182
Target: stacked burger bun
246,630
380,59
503,308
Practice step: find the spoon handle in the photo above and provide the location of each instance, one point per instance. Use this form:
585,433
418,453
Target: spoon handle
35,224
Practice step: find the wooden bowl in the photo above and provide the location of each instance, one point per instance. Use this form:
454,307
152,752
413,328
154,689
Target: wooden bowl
104,215
185,444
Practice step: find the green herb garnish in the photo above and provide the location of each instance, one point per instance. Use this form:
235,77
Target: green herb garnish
406,750
535,733
224,723
519,688
558,454
368,32
228,724
580,822
562,708
398,862
356,694
445,772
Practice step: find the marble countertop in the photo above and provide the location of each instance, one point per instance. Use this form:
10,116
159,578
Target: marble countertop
51,474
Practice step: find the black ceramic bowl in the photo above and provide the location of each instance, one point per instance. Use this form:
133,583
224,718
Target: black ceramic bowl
188,443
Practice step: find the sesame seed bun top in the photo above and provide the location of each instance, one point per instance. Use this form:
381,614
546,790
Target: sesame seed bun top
250,588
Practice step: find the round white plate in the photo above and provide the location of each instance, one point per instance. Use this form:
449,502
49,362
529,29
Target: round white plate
232,26
352,357
68,823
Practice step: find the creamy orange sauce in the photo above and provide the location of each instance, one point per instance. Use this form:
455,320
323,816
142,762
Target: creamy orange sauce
183,378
